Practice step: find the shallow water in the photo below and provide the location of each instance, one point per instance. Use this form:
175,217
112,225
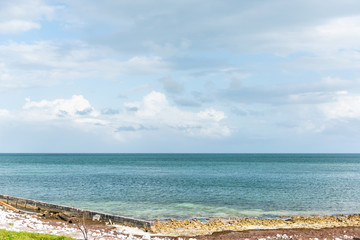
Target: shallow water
162,186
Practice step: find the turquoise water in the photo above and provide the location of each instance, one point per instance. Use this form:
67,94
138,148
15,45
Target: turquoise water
150,186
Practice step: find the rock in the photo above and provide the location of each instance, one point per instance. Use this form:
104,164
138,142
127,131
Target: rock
96,217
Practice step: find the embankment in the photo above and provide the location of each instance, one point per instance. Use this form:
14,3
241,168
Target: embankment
38,206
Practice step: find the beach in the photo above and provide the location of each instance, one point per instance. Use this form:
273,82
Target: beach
33,222
320,228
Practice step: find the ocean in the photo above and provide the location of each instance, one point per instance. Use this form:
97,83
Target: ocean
186,186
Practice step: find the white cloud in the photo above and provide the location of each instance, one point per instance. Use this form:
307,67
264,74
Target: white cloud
15,26
20,15
143,65
345,106
154,104
316,107
338,33
323,39
306,113
156,110
91,121
4,113
211,114
153,113
132,106
328,45
46,63
280,27
73,108
345,59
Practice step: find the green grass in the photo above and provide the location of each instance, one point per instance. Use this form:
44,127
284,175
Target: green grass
10,235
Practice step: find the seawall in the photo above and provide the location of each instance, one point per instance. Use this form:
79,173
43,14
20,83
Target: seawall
38,206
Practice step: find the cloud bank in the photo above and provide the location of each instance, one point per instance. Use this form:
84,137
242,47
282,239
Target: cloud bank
235,76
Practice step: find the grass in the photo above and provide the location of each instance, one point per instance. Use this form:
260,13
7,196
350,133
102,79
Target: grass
10,235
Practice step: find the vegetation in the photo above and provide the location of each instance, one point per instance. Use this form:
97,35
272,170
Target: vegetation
10,235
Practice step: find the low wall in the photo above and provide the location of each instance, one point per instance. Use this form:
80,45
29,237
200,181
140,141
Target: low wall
39,206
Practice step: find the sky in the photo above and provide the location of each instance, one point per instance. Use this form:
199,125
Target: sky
199,76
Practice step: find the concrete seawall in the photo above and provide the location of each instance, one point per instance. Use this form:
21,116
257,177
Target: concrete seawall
38,206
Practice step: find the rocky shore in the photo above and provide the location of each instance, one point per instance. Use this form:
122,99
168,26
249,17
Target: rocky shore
297,227
196,227
30,222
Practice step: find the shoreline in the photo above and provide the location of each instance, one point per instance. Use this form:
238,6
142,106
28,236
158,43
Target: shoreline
27,222
196,227
296,227
61,220
32,222
56,209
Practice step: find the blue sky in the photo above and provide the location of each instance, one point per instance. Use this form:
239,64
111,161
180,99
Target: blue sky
179,76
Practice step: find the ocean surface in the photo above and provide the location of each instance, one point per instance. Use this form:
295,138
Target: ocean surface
150,186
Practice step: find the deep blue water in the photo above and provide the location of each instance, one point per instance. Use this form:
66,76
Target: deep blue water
161,186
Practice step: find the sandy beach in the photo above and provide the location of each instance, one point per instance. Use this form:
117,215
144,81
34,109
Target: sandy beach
326,227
